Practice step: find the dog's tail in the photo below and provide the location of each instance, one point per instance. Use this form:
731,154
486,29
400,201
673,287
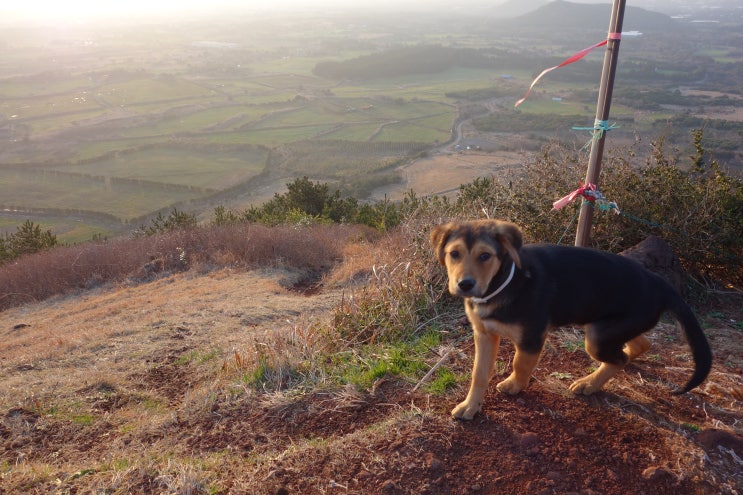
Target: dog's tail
700,348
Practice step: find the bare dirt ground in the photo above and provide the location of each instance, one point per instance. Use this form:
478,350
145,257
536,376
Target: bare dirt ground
138,389
442,172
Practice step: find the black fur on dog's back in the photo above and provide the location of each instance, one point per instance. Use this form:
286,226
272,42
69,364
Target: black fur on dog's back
556,278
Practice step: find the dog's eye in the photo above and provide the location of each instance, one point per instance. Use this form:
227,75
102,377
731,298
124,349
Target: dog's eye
485,257
454,255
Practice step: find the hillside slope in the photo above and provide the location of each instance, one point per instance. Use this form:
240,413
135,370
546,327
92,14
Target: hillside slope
144,389
562,14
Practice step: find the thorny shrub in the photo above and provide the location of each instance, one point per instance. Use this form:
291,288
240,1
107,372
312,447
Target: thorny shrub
130,260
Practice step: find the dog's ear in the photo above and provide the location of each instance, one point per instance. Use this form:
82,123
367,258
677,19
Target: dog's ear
439,236
509,236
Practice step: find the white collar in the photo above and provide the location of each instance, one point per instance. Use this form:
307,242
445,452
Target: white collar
483,300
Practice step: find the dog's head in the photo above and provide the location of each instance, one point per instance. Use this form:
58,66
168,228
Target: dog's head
473,252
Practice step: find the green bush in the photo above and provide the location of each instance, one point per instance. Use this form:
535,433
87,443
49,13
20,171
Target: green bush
176,220
28,239
308,202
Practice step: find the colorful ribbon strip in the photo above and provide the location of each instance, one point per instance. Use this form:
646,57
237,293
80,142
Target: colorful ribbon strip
574,58
590,192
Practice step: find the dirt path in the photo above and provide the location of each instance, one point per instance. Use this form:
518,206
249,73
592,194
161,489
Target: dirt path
143,389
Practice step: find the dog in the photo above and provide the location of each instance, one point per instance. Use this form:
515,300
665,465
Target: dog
520,292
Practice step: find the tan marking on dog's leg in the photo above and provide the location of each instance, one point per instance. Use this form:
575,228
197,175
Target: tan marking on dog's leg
486,348
593,382
636,347
524,364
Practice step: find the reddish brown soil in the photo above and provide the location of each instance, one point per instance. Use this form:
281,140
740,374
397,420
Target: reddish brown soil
544,441
134,404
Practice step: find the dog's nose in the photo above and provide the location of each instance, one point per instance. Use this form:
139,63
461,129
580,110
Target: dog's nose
466,285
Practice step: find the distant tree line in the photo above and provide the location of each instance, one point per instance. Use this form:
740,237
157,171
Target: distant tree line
428,59
62,212
123,181
722,136
419,59
653,99
484,93
516,121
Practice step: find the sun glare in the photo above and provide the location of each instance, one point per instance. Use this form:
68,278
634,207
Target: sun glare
86,10
70,12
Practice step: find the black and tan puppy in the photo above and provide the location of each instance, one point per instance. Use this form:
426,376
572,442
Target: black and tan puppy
520,292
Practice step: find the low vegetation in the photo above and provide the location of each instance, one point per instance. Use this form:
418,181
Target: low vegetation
696,206
394,325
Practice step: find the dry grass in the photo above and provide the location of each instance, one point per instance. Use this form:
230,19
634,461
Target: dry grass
128,365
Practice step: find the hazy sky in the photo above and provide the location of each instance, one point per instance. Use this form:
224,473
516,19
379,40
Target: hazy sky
74,10
62,11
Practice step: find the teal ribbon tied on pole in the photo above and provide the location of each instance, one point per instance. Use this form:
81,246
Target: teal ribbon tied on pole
598,130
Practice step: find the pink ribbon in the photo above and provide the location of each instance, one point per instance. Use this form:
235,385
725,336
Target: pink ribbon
588,191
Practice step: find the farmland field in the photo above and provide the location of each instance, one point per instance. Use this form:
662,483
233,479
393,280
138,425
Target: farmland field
130,122
125,199
199,169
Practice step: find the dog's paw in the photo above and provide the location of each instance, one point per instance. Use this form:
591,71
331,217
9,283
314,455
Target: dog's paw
465,410
584,386
510,386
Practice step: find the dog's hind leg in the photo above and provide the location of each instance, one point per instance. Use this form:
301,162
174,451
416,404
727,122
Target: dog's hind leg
607,342
486,348
636,347
593,382
609,353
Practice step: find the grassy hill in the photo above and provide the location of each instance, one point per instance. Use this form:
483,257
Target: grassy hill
570,15
267,349
250,359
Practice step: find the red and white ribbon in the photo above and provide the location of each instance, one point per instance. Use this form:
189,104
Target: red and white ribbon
574,58
589,192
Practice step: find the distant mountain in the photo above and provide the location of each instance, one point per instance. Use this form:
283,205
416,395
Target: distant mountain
516,8
560,14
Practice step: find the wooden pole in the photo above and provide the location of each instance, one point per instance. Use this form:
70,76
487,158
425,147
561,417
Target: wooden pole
583,233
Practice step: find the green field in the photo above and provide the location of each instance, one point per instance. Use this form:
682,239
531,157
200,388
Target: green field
182,166
722,54
59,191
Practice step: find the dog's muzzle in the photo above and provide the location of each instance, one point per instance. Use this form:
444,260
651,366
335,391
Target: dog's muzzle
466,285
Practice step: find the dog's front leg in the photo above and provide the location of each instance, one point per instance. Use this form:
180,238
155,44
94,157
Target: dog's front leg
486,348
